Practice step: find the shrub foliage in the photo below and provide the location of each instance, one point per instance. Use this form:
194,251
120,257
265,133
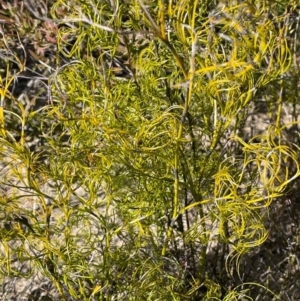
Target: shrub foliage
142,182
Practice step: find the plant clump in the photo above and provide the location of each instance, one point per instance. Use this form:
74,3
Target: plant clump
142,182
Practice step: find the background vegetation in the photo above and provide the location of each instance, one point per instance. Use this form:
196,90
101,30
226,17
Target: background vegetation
149,150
